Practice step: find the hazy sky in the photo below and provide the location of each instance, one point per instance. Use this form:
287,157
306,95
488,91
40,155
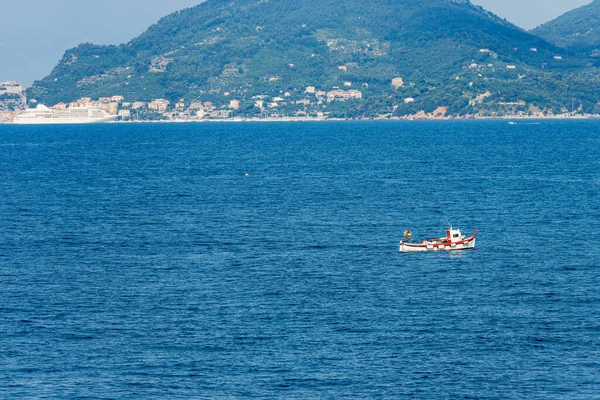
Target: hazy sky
34,34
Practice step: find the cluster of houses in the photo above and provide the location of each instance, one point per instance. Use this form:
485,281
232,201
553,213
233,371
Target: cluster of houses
304,105
308,102
12,100
334,95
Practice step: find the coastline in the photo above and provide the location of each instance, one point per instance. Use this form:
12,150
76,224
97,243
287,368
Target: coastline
391,119
394,119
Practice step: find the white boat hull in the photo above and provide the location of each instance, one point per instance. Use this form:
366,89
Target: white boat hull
414,248
42,115
62,121
450,243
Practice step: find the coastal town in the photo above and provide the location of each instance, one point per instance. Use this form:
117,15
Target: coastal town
308,103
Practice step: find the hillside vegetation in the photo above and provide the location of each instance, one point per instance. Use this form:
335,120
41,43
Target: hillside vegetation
577,30
447,57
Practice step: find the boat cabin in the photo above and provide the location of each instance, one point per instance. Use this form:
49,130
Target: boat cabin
453,235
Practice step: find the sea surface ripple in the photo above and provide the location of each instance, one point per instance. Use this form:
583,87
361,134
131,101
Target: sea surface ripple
260,260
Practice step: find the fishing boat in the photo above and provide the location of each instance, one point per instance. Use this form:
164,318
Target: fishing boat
453,241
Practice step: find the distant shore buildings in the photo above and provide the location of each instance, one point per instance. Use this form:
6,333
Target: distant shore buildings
305,102
12,100
309,103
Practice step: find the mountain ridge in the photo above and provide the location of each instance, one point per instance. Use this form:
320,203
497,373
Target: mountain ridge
577,30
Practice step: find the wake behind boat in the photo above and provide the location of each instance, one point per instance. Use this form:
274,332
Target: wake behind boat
453,241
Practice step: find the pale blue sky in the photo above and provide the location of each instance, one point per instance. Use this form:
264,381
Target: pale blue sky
35,33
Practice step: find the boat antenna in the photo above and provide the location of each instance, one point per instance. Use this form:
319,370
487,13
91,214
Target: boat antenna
448,222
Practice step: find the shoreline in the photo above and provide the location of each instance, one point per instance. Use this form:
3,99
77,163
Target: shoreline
396,119
393,119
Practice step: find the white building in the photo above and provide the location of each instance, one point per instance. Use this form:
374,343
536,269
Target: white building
159,105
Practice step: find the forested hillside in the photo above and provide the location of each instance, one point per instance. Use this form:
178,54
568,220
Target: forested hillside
577,30
363,59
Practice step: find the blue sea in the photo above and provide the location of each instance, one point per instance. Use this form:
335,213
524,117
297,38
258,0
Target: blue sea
260,260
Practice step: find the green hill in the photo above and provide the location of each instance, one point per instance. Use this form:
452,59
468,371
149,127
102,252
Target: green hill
448,54
577,30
